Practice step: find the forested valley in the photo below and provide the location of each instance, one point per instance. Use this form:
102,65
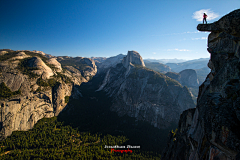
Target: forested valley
82,130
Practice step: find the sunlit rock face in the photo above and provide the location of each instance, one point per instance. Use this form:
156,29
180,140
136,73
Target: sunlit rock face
133,58
56,64
43,70
213,128
22,111
145,94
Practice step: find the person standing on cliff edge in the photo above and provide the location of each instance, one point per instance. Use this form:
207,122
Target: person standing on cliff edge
204,18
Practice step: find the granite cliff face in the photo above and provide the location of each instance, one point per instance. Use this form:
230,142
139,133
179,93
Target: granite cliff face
42,85
145,94
109,62
212,130
83,68
187,77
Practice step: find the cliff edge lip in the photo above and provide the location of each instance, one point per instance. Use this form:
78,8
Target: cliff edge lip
228,23
212,130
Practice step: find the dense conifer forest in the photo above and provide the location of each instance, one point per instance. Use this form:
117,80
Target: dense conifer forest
82,130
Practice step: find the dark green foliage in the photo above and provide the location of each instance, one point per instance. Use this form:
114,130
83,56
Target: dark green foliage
156,78
83,129
8,55
66,99
172,82
77,63
172,75
25,69
134,74
159,67
39,89
50,82
44,59
63,77
140,72
51,139
23,66
92,113
5,92
42,82
32,54
138,66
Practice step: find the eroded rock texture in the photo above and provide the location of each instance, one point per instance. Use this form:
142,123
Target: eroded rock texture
145,94
213,130
44,95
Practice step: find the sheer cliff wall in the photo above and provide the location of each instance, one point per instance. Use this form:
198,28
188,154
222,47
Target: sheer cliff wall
212,130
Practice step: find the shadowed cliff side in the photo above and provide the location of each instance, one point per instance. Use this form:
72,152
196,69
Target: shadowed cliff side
145,94
212,130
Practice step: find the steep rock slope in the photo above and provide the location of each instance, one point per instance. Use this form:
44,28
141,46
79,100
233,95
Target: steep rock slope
33,87
85,66
109,62
156,66
186,77
212,130
145,94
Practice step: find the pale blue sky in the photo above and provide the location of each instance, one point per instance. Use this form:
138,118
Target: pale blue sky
102,28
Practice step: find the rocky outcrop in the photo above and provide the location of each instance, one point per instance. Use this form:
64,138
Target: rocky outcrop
56,64
43,95
132,58
228,24
20,55
178,144
44,54
145,94
214,131
60,92
90,70
16,81
43,70
3,52
21,113
186,77
86,66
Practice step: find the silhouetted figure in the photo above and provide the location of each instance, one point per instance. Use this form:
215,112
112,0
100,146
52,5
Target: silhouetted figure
204,18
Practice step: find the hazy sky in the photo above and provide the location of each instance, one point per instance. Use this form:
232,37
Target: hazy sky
102,28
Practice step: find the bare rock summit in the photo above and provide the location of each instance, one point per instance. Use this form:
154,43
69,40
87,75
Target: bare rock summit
56,64
132,58
43,69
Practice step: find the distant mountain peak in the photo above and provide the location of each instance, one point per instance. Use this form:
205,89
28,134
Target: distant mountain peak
133,57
